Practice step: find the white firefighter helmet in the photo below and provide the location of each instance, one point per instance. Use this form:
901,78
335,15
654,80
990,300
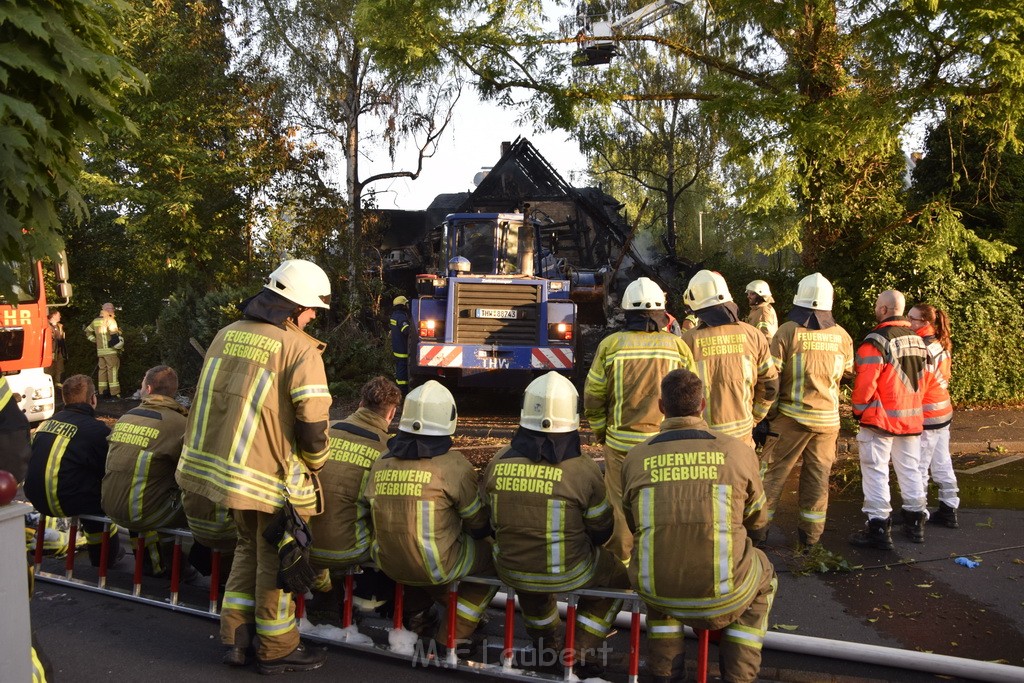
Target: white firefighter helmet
459,264
551,405
706,288
429,410
301,282
814,292
643,294
760,287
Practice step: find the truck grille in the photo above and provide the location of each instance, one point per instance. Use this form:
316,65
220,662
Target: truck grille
524,299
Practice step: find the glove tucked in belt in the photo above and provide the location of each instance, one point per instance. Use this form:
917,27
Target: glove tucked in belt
289,533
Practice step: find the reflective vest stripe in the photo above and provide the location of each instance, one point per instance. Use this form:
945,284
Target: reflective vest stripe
429,552
249,420
54,458
204,400
139,479
722,502
310,391
597,510
645,505
556,536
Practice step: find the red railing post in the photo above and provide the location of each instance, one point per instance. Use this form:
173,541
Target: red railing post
175,570
569,654
453,613
399,605
702,654
214,580
300,606
40,541
104,556
69,563
634,642
140,551
510,627
346,603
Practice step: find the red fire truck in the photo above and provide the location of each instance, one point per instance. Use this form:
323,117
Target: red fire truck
26,342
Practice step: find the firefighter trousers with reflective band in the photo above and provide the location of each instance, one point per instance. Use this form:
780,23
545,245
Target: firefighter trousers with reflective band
108,381
93,531
876,450
739,650
621,543
473,598
251,596
594,616
935,458
402,371
788,442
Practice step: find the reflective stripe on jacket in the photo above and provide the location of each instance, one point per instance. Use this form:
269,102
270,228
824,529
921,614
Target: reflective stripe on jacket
341,535
100,330
620,398
258,425
937,408
887,392
69,454
740,380
399,326
689,496
811,364
139,491
763,317
421,510
543,515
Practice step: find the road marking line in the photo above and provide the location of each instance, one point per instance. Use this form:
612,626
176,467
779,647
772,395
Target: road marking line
990,465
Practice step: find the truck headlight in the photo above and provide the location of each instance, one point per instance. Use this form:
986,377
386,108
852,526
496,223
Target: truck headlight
41,393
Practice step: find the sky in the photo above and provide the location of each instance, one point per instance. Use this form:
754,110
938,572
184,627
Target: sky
471,142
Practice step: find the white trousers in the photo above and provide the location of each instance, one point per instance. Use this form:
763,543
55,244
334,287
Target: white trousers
936,458
876,449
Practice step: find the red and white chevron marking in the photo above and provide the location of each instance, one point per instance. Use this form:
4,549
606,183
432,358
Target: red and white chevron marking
441,356
556,359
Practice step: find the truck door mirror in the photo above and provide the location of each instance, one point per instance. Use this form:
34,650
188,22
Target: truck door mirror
64,291
60,268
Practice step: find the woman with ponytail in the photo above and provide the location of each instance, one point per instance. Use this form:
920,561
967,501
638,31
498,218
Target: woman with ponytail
932,324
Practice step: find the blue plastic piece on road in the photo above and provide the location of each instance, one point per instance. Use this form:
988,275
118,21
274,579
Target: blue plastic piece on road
970,564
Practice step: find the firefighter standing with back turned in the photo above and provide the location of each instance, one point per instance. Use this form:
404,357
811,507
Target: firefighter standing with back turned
732,357
105,333
256,434
620,398
399,326
812,354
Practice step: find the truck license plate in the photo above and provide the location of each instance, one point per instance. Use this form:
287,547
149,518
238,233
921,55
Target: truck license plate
503,313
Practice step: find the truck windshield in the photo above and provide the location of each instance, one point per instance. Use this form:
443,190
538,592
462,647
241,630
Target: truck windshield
26,288
491,247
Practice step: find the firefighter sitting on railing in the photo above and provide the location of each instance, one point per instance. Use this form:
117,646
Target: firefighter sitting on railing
69,455
690,495
429,522
550,516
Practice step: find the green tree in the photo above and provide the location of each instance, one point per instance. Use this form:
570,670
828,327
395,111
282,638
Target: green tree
62,76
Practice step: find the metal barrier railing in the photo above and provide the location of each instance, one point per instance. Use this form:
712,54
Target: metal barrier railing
504,668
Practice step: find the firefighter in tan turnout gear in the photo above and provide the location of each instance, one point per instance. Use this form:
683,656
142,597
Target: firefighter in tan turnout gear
762,313
812,354
690,495
550,516
620,395
429,522
104,332
256,434
139,491
732,357
341,535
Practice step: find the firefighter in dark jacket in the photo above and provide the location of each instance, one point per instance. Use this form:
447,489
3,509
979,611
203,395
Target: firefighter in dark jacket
429,522
551,515
399,326
691,495
69,457
14,431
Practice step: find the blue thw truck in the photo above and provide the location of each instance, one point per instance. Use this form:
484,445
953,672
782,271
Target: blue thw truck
497,312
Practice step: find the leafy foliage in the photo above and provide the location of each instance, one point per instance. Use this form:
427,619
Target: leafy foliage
61,76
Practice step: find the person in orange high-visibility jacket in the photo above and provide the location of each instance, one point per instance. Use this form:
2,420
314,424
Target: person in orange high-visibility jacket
732,357
887,401
813,354
620,397
256,434
932,325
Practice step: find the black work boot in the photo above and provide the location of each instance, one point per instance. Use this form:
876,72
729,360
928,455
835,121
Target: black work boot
759,537
874,535
242,652
913,525
804,540
946,516
302,658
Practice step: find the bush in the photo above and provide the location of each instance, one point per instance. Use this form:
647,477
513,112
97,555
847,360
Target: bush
353,356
